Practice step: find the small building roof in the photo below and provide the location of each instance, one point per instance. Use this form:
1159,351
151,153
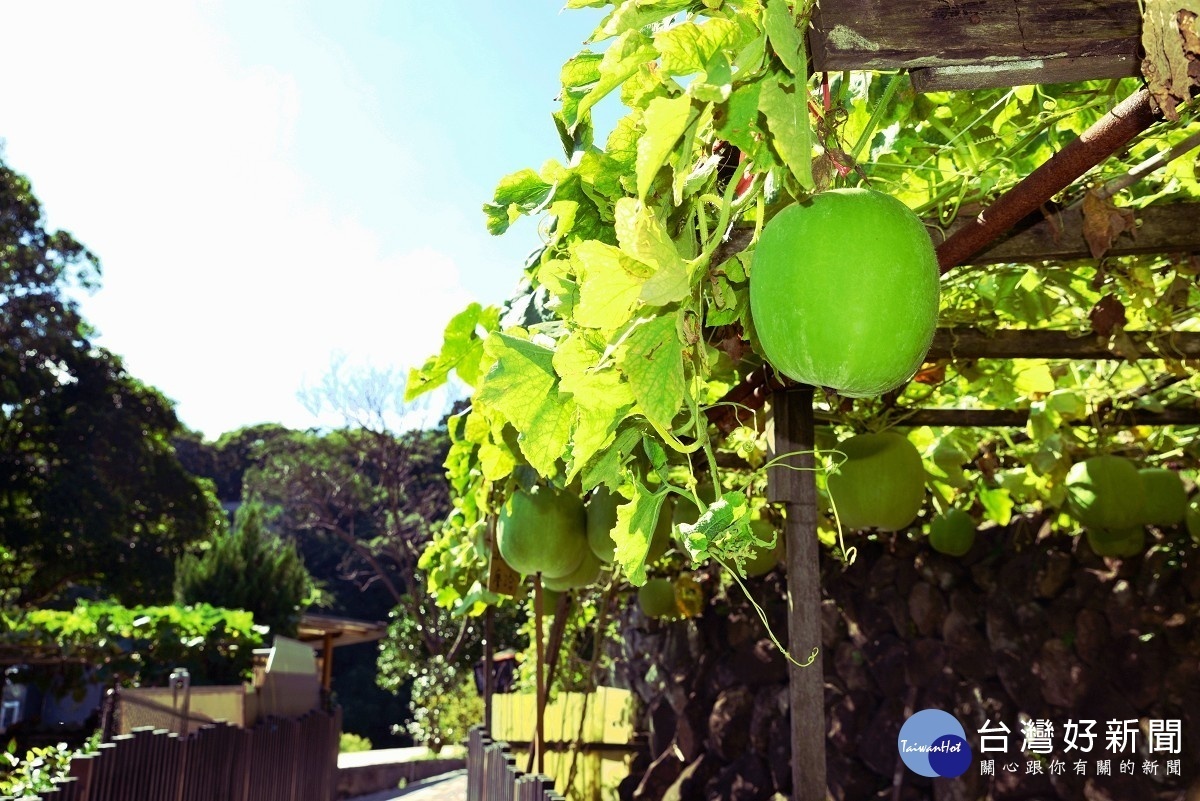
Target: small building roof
342,630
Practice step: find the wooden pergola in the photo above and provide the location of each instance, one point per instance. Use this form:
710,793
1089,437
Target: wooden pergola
968,44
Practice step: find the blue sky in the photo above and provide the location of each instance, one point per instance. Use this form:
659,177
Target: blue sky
273,184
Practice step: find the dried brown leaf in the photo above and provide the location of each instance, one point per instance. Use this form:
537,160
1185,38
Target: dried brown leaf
1103,222
1107,316
931,373
1170,39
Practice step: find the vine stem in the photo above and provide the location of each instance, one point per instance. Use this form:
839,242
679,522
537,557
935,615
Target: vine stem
863,138
762,615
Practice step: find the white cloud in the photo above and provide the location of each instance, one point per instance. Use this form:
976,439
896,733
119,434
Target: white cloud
228,280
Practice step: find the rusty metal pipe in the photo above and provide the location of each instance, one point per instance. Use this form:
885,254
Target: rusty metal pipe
1109,134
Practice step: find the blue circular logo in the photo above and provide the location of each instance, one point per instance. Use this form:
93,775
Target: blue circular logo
933,743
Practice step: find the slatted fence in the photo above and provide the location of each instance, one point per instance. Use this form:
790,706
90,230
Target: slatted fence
292,759
492,773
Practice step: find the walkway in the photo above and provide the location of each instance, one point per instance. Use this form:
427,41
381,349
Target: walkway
447,787
381,756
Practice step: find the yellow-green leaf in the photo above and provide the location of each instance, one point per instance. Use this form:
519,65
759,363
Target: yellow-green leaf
610,283
666,119
644,237
652,360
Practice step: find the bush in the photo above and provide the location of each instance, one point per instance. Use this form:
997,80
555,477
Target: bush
351,742
445,705
36,772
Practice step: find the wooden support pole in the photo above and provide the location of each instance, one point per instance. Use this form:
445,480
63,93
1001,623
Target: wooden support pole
327,662
489,665
539,726
795,485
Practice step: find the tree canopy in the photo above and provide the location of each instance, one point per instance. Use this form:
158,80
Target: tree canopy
91,491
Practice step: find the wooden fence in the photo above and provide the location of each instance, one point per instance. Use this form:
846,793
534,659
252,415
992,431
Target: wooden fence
492,773
293,759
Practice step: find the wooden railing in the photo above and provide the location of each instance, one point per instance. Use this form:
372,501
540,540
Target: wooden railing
292,759
492,774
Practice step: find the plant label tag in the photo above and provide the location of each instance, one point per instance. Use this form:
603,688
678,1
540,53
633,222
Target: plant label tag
502,579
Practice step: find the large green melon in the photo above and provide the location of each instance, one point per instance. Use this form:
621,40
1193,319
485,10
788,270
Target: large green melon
952,533
657,598
880,485
844,291
1166,499
1106,492
543,531
582,576
1121,543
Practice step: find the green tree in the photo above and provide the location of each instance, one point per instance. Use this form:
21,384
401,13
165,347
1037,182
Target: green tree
249,568
91,491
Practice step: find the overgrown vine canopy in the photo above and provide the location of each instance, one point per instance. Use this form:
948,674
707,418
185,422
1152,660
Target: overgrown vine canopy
634,321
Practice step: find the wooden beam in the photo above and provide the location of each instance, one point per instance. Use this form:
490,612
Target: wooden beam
1065,69
795,484
1017,418
990,42
1166,228
970,343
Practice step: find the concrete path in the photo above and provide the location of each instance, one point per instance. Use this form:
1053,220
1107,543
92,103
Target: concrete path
447,787
381,756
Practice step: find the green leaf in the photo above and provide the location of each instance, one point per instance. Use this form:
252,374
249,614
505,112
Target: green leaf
998,504
1034,379
634,530
790,127
652,360
606,469
688,48
634,14
717,83
520,193
522,386
721,525
610,283
462,351
621,59
642,236
666,120
602,396
786,39
740,117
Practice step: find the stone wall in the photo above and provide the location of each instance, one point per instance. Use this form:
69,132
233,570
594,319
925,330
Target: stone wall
1024,625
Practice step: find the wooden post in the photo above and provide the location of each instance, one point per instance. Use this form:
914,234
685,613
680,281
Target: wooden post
327,662
489,665
797,488
539,733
